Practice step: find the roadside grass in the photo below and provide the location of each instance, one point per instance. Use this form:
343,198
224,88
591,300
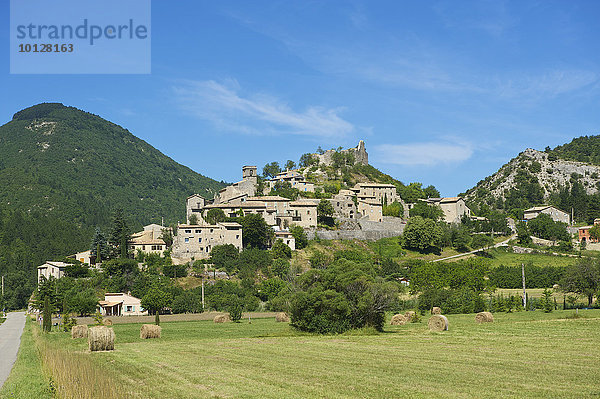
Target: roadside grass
523,354
27,380
2,320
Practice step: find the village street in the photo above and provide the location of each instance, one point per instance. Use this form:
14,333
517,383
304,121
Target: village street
10,339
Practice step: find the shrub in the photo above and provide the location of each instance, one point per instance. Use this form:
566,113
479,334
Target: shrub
236,307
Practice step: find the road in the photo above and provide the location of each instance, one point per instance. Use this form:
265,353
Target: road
500,244
10,339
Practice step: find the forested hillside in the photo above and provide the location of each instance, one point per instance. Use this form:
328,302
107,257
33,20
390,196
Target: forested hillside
68,163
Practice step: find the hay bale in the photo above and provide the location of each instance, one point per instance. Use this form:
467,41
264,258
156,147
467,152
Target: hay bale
436,310
222,318
437,322
282,317
399,320
101,338
107,322
484,317
79,331
150,331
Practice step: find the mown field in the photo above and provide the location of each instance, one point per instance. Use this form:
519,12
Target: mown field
525,354
499,257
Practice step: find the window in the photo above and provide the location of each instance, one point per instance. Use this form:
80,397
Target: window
188,231
129,308
200,239
198,231
211,230
187,240
237,236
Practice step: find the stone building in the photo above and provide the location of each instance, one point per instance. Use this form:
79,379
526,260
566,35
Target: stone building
51,269
556,214
196,241
454,208
294,178
241,189
149,240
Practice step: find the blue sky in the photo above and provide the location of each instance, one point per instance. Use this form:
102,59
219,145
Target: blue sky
442,92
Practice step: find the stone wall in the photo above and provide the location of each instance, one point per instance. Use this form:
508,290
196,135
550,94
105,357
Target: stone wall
361,157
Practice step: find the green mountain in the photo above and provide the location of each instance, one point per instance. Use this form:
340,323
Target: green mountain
69,163
567,176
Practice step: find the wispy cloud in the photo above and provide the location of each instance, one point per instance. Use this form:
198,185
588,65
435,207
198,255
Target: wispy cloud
228,109
547,84
424,153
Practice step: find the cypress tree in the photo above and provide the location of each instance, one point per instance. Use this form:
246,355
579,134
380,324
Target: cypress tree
47,315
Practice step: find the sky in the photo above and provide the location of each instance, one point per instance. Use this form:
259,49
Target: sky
442,92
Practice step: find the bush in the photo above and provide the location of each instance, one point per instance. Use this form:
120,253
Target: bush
236,307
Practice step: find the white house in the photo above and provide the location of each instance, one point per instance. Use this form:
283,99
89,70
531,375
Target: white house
120,304
51,269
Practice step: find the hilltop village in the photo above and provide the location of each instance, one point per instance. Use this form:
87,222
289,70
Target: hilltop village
357,210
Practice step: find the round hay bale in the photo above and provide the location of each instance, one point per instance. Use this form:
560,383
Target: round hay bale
150,331
79,331
101,338
409,315
222,318
398,320
282,317
107,322
484,317
437,322
436,310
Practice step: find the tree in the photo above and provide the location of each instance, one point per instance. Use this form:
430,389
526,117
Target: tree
225,257
523,236
595,232
422,234
82,302
285,189
544,227
281,267
427,211
214,216
394,209
271,169
251,260
99,248
307,160
257,233
47,315
481,241
154,301
461,239
583,278
289,165
119,236
281,250
325,212
167,236
299,236
431,192
193,219
546,301
235,308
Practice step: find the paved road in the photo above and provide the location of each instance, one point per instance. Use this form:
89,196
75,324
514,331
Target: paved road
10,339
500,244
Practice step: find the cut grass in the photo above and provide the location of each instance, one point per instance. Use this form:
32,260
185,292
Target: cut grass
26,380
499,257
525,354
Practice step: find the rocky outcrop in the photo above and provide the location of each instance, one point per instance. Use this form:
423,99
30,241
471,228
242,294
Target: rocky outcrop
551,174
361,157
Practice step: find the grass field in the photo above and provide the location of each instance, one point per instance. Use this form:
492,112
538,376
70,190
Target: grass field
499,257
526,354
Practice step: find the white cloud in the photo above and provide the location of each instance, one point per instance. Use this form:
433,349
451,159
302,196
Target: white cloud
547,84
224,106
423,154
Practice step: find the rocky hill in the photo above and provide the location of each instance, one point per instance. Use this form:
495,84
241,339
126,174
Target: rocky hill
553,176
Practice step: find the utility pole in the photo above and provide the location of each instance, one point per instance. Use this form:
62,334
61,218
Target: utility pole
202,291
524,292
